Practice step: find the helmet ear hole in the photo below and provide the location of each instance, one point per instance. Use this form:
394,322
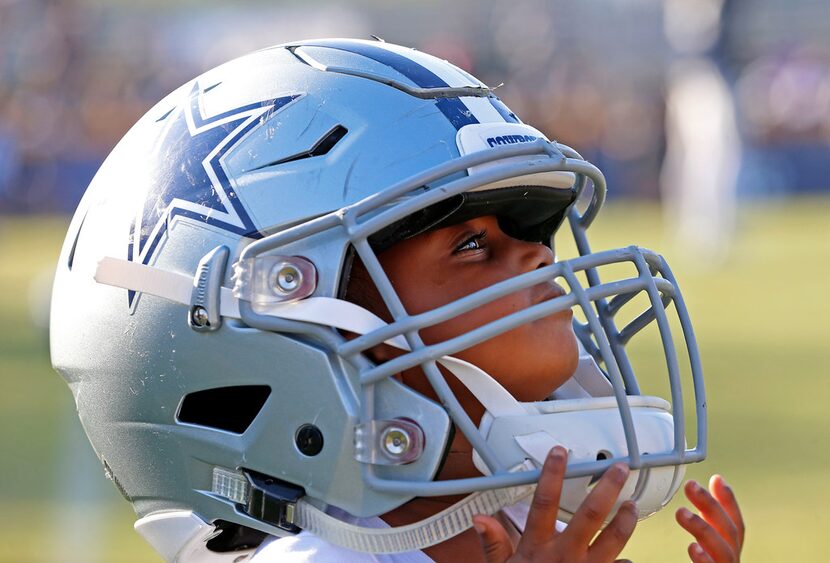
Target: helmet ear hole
602,455
231,409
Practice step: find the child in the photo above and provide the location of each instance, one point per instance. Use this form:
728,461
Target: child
454,261
341,315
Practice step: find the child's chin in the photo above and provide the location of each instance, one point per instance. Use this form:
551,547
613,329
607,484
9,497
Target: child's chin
566,360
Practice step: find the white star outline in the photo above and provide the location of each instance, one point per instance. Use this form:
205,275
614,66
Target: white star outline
230,217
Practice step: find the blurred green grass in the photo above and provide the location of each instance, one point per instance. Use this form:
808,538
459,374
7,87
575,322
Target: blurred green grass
760,319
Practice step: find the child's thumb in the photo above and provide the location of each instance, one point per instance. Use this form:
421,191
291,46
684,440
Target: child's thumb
494,539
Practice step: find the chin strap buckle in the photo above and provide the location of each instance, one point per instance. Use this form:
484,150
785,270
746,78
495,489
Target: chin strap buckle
264,498
273,501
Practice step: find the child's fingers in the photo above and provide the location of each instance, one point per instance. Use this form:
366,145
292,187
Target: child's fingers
712,511
698,555
709,539
494,539
612,539
592,512
724,495
541,520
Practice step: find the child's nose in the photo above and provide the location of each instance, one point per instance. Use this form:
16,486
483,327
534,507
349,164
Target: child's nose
533,255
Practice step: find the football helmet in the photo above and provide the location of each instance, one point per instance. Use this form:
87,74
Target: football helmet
198,313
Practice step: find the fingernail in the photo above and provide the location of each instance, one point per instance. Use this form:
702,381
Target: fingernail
632,506
619,472
479,528
697,549
557,453
684,514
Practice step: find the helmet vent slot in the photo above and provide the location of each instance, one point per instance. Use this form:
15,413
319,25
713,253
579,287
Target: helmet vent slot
232,409
320,148
71,259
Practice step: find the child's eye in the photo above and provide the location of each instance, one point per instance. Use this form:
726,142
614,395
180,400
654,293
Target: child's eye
475,242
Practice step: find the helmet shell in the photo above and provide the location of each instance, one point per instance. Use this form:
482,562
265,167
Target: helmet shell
223,160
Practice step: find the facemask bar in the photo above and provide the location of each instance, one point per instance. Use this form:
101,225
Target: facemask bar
619,338
362,219
661,290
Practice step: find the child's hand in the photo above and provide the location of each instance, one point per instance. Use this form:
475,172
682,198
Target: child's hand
719,530
541,541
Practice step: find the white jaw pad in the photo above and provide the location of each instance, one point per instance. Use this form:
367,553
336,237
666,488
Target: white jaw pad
485,136
179,536
590,428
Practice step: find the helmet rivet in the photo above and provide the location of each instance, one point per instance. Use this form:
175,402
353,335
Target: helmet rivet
309,440
288,278
199,317
396,441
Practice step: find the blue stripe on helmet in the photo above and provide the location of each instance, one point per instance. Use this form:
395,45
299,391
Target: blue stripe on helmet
455,110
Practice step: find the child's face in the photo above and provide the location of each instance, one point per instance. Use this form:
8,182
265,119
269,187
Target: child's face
437,267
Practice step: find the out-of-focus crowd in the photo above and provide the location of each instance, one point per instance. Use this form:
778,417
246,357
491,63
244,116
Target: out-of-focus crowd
73,79
75,74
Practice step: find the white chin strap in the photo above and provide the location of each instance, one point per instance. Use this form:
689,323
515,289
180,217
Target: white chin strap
527,448
181,536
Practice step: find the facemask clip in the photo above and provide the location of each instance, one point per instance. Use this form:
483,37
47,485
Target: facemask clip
265,280
203,315
388,442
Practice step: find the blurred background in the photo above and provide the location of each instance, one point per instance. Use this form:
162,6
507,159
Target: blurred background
710,119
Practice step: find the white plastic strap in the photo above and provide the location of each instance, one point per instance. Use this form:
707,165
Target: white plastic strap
144,279
178,288
424,533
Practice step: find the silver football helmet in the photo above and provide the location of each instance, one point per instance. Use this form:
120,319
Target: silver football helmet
198,312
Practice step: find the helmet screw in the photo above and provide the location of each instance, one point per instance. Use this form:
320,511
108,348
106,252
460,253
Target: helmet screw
396,441
199,317
309,440
289,278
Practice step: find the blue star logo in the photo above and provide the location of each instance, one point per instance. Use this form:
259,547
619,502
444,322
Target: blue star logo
190,180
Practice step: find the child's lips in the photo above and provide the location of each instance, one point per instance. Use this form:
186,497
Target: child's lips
549,290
